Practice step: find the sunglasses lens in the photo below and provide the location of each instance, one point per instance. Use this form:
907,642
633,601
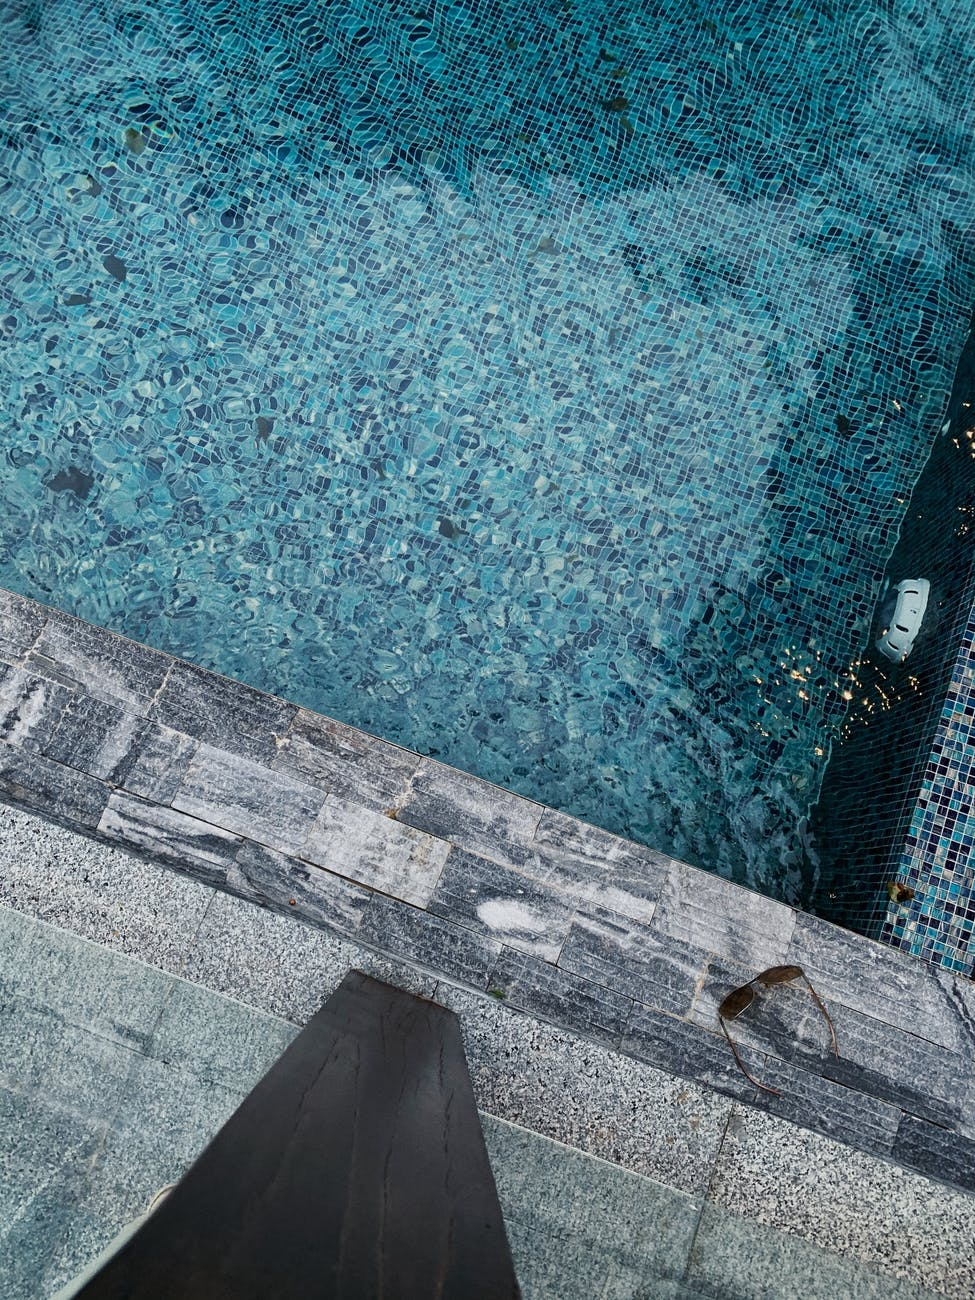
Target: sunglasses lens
778,975
736,1002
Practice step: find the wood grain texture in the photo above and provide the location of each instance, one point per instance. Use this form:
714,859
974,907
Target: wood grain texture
356,1168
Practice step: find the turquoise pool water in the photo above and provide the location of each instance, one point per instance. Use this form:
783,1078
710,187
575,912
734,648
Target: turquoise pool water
539,390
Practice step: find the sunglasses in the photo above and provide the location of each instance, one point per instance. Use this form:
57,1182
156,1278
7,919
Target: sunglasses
740,999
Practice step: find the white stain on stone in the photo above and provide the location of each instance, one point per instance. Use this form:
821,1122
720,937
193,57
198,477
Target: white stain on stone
506,915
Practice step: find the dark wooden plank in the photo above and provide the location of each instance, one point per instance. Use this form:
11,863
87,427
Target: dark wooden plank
356,1168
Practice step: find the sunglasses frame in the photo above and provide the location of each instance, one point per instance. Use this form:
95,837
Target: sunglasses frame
767,979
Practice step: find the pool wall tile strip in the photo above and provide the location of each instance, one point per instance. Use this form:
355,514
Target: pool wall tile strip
906,820
936,859
561,921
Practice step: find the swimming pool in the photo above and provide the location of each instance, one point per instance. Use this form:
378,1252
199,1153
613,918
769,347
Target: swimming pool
543,392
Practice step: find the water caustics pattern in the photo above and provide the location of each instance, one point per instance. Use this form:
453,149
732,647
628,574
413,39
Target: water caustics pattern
537,386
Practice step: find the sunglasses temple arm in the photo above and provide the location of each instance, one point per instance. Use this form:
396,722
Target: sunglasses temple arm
741,1064
816,998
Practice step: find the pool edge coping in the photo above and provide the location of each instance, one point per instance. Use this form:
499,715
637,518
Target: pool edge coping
487,890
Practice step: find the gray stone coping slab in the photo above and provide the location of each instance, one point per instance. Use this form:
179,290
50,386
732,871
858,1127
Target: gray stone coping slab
439,872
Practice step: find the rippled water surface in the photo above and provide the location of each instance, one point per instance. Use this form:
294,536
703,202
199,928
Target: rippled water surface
539,387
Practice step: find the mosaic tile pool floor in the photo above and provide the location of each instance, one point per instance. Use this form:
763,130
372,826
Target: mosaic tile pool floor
539,389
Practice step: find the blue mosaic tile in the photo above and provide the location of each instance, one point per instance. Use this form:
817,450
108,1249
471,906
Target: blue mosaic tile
539,390
936,861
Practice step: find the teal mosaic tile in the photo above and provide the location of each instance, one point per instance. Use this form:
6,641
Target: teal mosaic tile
540,390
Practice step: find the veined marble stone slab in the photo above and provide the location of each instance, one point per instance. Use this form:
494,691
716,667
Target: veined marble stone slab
558,996
622,954
501,903
347,763
377,851
156,765
416,936
95,737
692,1053
829,1108
297,888
711,913
936,1151
99,663
21,622
197,847
224,713
590,867
59,793
875,1058
885,983
30,709
247,798
471,813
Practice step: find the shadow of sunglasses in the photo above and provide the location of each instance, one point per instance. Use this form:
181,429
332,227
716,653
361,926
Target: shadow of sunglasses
741,998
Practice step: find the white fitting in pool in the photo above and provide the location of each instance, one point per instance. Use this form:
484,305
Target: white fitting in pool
897,641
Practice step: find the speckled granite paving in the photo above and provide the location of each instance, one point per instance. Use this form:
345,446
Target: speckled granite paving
115,1073
496,895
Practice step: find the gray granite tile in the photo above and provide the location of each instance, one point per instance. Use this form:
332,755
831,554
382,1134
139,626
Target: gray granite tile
199,848
280,965
690,1052
99,663
216,1038
166,1118
884,983
552,994
45,1162
588,1096
430,942
73,982
632,958
223,713
76,1239
21,621
735,1258
468,812
30,708
95,890
249,799
377,851
842,1113
345,762
866,1209
936,1151
501,903
95,737
155,766
73,1069
874,1058
549,1267
711,913
580,1227
60,793
286,885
